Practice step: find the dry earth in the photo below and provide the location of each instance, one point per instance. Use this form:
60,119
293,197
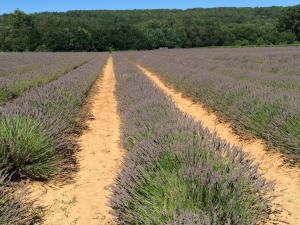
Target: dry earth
85,201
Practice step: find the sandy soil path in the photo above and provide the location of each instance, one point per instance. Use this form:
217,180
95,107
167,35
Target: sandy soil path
272,165
84,202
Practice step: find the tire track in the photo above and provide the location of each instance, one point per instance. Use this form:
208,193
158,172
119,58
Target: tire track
86,200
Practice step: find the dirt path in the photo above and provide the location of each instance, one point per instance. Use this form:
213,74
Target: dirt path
85,201
272,165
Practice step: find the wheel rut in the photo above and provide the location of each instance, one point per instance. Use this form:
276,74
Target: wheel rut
85,201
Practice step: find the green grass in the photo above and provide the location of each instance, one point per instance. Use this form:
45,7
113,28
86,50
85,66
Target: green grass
26,150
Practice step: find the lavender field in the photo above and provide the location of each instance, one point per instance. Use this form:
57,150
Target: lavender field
256,89
36,127
21,71
99,123
176,171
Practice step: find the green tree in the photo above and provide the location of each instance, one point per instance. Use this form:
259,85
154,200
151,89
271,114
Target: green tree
172,39
22,35
80,40
126,36
66,39
58,40
155,38
290,21
147,29
101,39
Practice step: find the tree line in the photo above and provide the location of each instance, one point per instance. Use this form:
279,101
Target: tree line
102,30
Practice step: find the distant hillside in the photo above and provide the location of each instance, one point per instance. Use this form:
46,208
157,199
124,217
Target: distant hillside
99,30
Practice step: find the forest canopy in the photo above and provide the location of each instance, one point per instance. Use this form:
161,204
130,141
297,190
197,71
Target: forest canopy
101,30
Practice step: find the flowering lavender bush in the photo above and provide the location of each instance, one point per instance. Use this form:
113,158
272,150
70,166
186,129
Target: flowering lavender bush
256,89
175,171
15,208
22,71
36,127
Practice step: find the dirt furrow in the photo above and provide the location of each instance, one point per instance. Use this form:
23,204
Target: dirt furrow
271,164
86,200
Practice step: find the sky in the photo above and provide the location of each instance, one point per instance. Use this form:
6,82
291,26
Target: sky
30,6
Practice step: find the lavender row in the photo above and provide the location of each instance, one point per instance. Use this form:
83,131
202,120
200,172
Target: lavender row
22,71
19,63
175,171
15,207
35,128
257,90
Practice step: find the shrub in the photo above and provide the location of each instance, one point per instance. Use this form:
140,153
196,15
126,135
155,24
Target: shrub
26,149
15,208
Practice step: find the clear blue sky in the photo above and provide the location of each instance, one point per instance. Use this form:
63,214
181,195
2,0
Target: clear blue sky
30,6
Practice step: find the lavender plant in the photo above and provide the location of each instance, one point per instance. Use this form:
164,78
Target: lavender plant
175,171
15,208
22,71
19,63
256,89
36,127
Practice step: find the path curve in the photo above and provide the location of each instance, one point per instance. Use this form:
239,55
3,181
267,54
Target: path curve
271,164
86,200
